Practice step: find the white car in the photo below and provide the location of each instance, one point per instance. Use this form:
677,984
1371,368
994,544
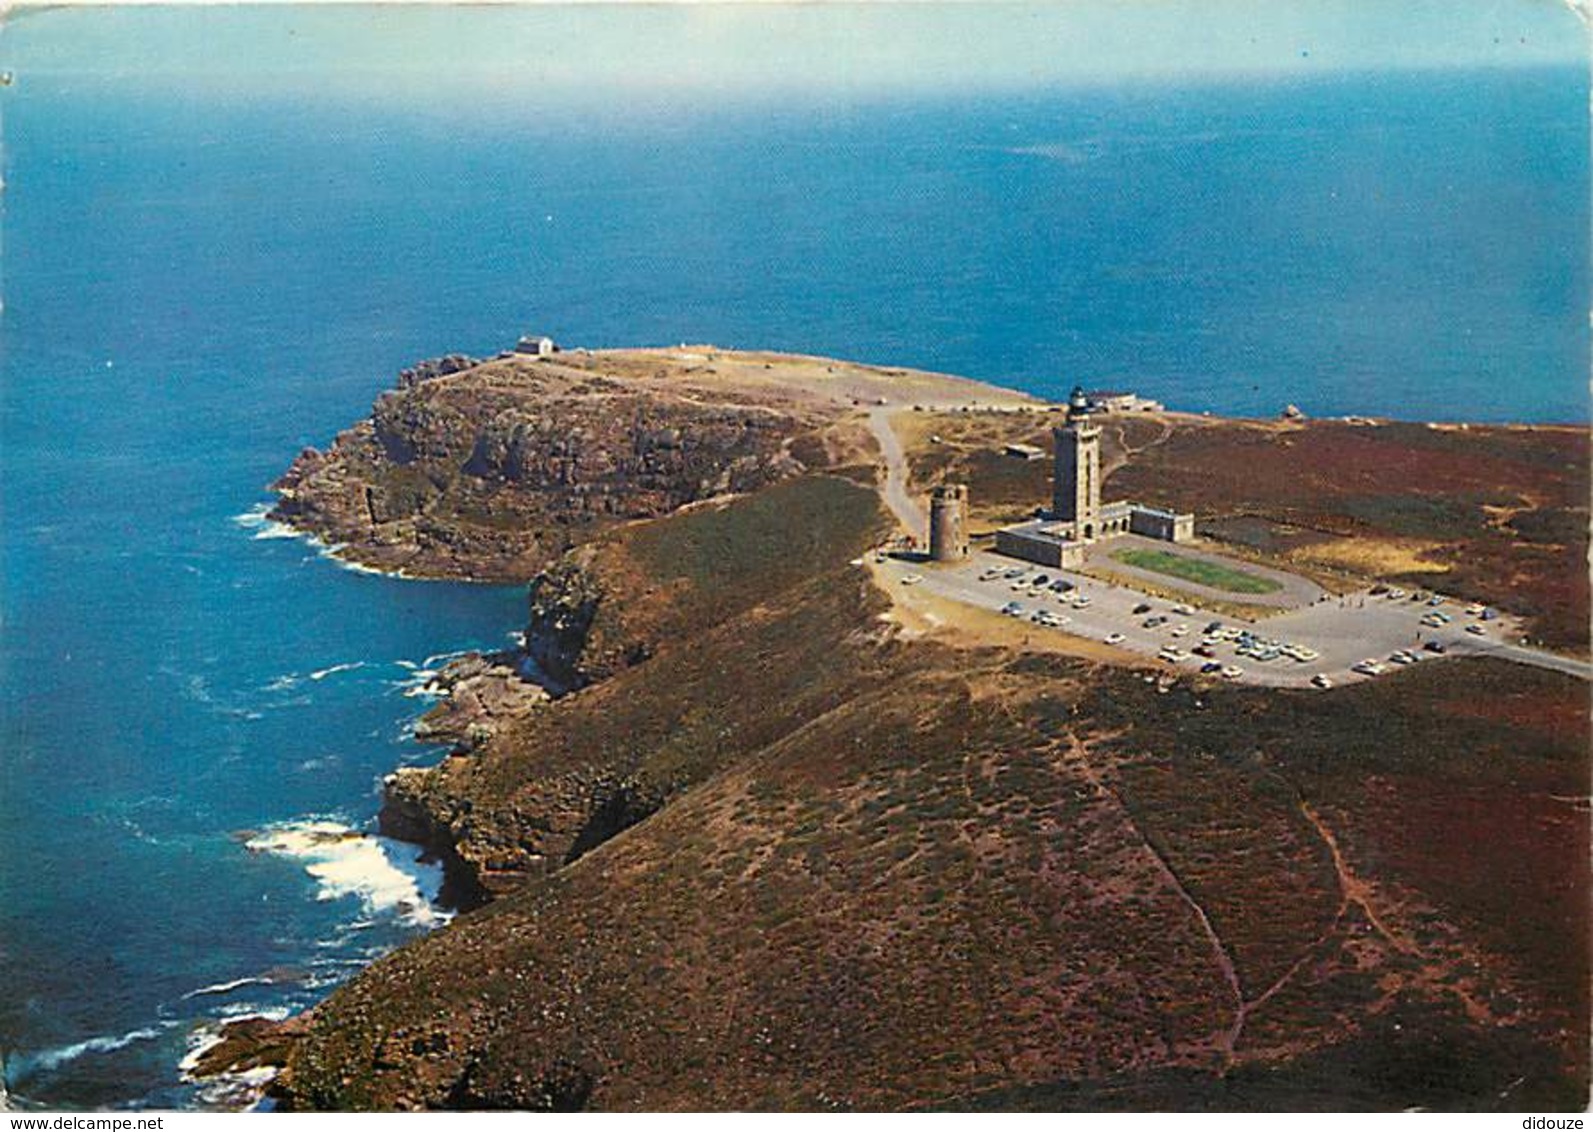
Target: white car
912,579
1114,638
1180,630
1183,610
1233,672
1475,629
1321,681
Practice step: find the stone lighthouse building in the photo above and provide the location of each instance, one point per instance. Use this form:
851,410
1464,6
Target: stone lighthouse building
1076,486
1078,517
948,523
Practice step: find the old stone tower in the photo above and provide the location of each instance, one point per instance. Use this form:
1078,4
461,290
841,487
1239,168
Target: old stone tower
1076,487
948,523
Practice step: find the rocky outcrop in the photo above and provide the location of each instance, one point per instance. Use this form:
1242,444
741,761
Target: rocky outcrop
481,695
411,813
564,601
491,470
435,367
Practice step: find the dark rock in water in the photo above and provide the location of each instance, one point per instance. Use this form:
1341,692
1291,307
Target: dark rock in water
250,1043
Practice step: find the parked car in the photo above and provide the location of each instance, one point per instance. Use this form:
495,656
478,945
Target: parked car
1142,607
1114,638
1321,681
1437,647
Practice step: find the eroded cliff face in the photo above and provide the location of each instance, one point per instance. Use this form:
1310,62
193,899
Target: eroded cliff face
523,795
563,606
491,470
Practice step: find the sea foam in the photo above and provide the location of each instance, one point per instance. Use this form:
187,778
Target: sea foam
386,876
257,519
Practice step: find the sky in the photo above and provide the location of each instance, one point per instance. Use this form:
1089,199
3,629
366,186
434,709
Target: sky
735,49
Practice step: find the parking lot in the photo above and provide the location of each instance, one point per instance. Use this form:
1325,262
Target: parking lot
1330,641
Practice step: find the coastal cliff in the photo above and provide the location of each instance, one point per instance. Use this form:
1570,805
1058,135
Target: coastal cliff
767,849
490,470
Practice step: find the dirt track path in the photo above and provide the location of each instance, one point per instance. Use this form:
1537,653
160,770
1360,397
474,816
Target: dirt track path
897,497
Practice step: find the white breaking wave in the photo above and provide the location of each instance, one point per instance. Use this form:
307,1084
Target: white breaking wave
435,659
54,1058
257,519
323,673
386,876
243,1011
254,517
333,554
200,1042
422,684
224,988
273,529
239,1090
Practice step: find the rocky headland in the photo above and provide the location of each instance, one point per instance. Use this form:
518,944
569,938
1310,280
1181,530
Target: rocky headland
762,848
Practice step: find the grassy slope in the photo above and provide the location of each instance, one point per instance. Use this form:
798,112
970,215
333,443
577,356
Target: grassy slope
897,875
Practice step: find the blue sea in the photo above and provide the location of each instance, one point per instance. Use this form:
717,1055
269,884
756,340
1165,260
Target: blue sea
196,710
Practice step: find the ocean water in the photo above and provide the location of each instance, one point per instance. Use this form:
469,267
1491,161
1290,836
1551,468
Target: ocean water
195,711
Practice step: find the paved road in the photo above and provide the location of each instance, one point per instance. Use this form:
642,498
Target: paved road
1343,630
906,508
